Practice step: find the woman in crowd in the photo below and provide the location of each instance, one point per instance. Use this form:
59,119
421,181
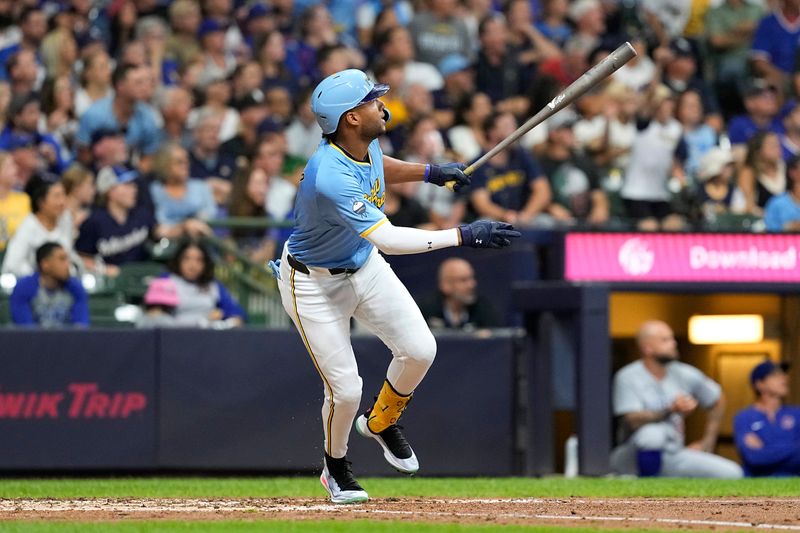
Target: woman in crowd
59,51
182,204
58,112
95,80
763,174
466,137
698,136
14,205
248,199
202,300
47,223
79,187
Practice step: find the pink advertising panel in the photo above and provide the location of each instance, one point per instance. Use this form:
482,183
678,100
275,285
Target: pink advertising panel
706,257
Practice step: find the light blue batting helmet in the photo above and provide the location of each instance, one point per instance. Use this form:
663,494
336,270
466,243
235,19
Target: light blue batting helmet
339,93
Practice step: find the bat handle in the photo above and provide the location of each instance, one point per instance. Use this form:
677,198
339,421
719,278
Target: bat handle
451,184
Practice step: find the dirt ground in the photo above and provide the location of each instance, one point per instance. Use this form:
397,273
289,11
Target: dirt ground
698,514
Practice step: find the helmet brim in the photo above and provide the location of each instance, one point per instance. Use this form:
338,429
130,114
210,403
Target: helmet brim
377,91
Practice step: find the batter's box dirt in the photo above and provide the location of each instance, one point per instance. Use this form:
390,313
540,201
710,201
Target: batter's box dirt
735,513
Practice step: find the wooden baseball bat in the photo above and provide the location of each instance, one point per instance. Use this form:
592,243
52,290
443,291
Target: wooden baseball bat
575,90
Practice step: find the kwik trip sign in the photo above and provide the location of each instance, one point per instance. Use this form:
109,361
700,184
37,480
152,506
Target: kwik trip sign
76,401
693,257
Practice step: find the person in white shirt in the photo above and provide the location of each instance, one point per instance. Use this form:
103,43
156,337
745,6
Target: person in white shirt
48,222
303,134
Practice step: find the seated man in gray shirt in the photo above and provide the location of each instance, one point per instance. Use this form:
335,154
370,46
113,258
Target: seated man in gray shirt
652,396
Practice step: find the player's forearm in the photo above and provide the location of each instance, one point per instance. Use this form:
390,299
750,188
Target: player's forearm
396,171
638,419
398,240
713,421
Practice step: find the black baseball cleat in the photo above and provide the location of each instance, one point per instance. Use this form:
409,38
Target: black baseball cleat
396,449
338,480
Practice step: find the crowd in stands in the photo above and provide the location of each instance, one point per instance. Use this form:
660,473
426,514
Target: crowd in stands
129,121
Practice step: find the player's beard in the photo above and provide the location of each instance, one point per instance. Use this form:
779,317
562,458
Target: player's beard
664,359
374,130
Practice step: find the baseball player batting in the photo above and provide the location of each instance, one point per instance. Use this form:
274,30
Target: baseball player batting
330,271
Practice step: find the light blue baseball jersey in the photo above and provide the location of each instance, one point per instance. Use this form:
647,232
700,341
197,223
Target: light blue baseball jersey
339,202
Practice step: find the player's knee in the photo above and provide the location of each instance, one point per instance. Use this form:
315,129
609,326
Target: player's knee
728,470
650,437
423,348
347,392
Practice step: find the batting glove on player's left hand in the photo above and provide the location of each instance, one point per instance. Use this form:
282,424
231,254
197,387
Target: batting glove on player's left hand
441,174
487,234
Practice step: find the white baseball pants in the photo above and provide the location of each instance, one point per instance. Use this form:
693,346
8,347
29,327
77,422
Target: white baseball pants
321,306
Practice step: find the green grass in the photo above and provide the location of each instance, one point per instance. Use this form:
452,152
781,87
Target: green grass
305,487
355,526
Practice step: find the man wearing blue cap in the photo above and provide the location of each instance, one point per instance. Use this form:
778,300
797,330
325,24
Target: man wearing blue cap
767,433
330,271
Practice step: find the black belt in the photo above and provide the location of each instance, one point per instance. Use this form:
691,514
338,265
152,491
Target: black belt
297,265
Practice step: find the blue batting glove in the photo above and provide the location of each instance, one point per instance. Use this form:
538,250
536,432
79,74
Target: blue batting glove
487,234
441,174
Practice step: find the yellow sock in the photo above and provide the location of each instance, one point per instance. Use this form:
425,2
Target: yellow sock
387,409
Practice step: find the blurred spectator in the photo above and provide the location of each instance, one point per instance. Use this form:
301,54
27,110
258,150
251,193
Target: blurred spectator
23,73
553,21
216,98
95,81
426,145
182,204
730,28
767,433
160,302
23,132
665,18
525,37
202,300
152,32
590,25
125,111
763,174
14,205
395,45
59,52
574,179
79,188
790,138
511,187
271,158
108,148
33,27
609,136
499,71
782,212
117,230
184,20
459,83
252,113
50,297
279,103
637,73
247,78
270,53
47,222
438,32
303,134
761,104
175,104
257,23
218,62
221,11
331,58
456,304
775,42
698,135
316,30
402,209
251,187
656,157
680,76
206,161
717,193
373,19
58,116
652,397
467,137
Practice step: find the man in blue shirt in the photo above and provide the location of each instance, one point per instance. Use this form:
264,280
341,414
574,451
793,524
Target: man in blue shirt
23,130
330,272
761,103
782,212
775,42
767,433
125,111
50,298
